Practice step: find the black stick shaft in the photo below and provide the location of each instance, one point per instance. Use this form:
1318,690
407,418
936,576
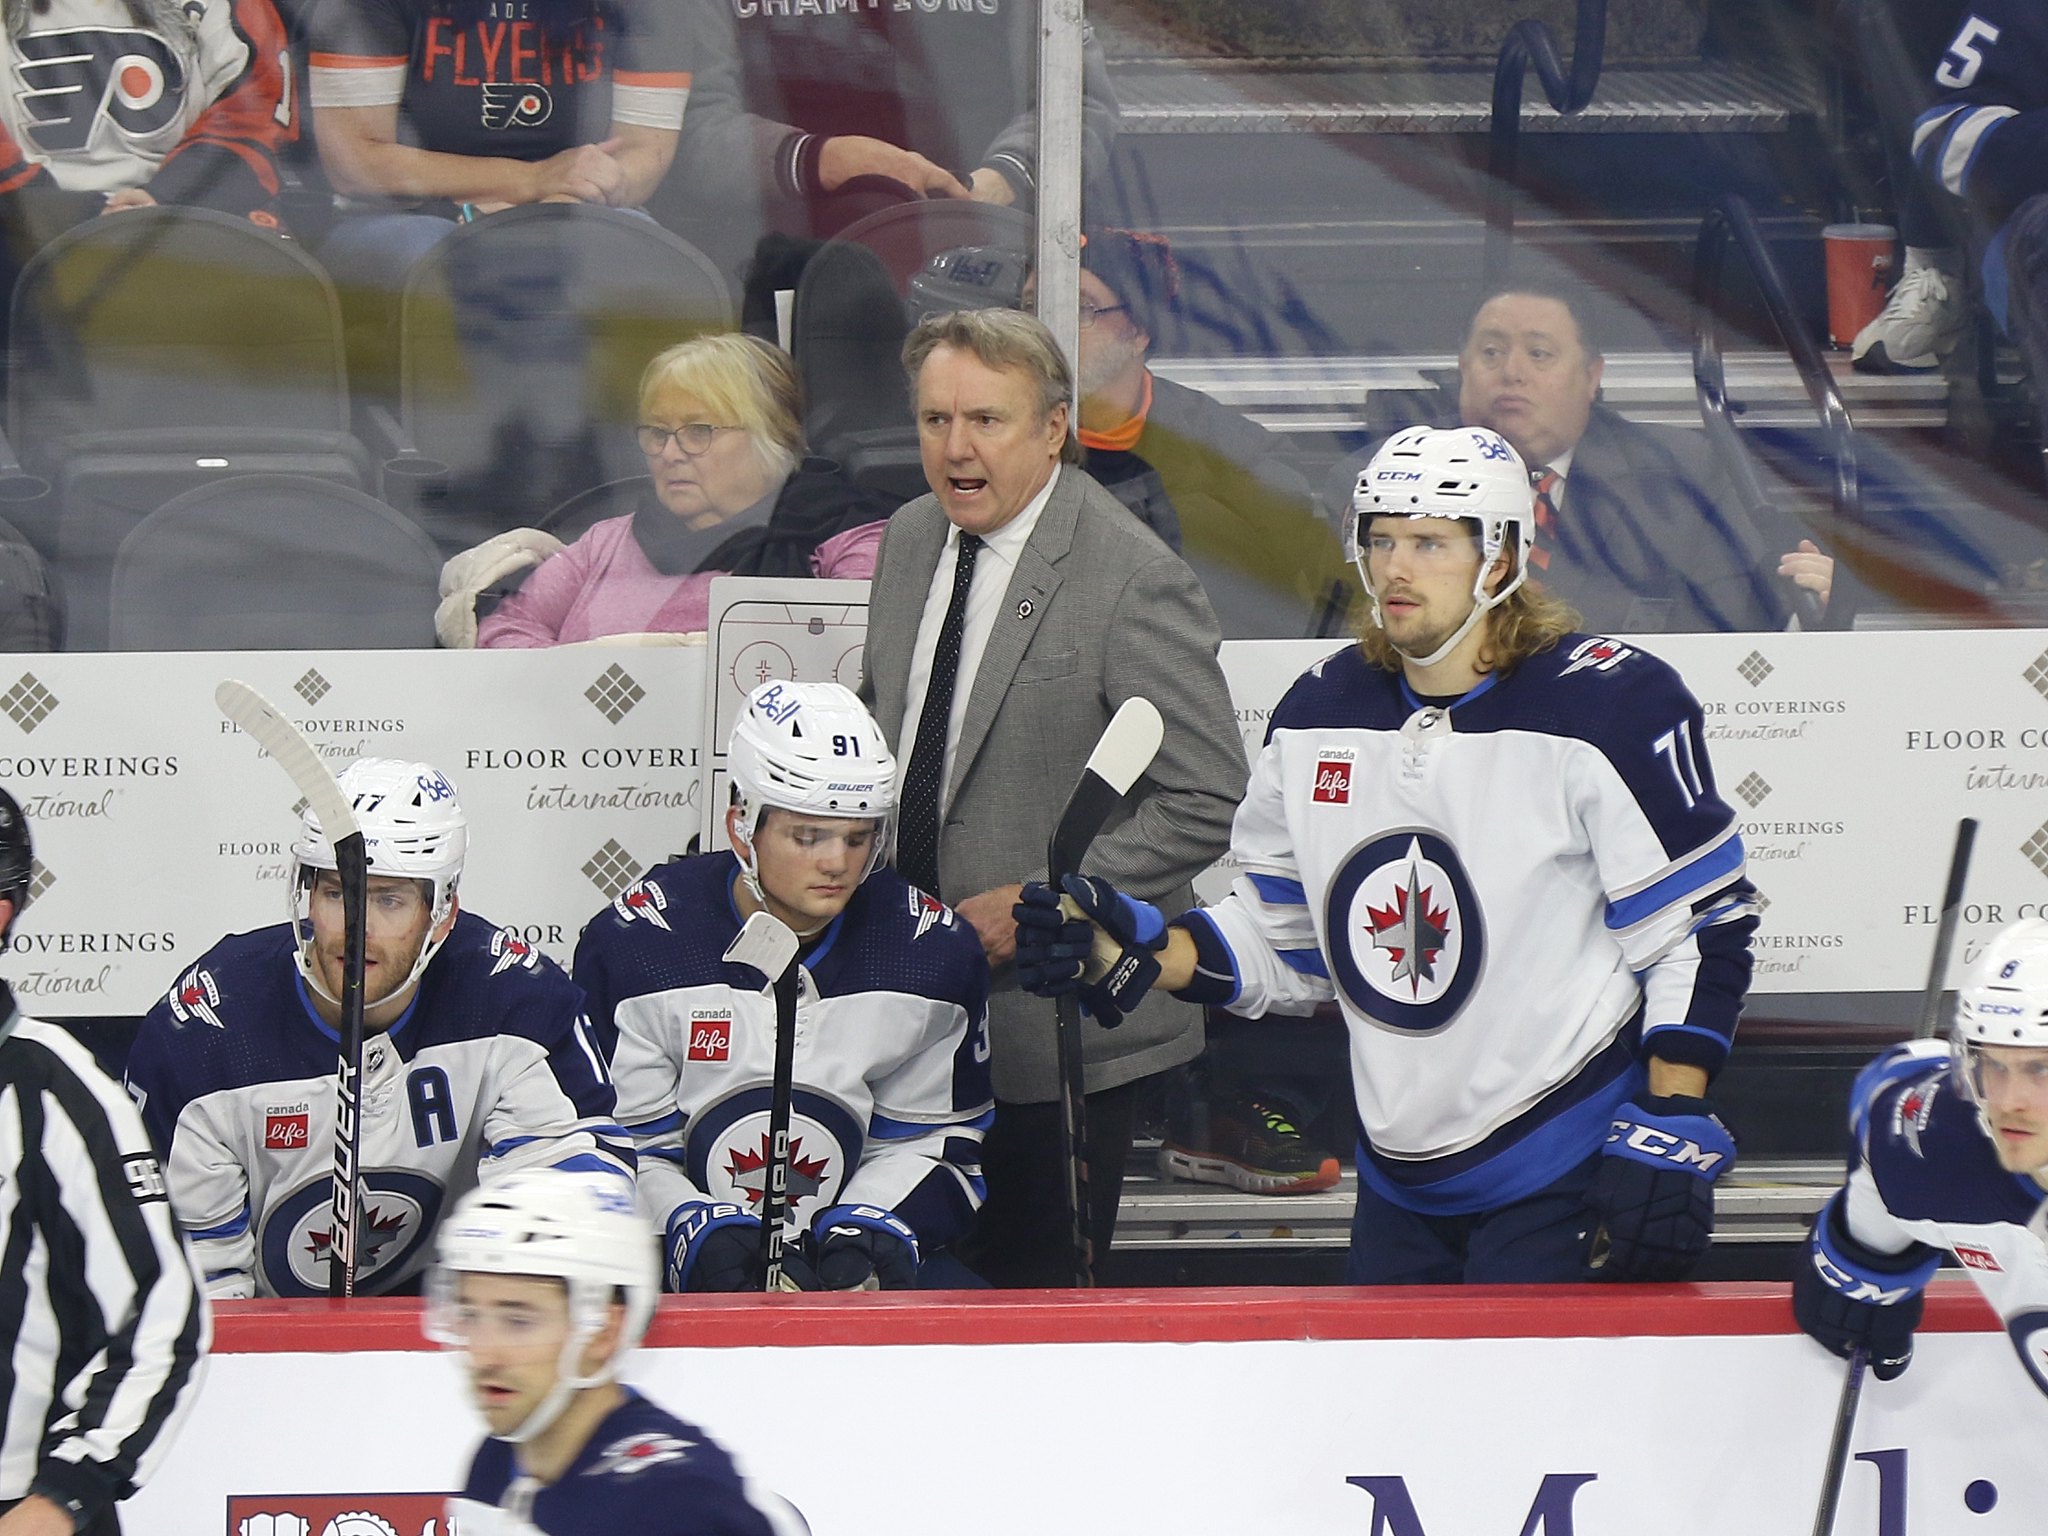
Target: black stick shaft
1838,1448
352,866
1945,931
775,1194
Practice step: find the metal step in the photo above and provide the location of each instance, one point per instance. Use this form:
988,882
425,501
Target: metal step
1759,1202
1230,96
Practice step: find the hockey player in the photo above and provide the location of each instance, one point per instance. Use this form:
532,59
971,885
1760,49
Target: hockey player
1949,1153
891,1078
1497,845
545,1281
477,1053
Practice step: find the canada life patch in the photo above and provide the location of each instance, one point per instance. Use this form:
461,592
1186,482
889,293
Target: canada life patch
286,1128
1333,782
1977,1258
710,1036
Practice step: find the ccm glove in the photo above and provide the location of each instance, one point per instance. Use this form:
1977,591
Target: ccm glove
1112,984
863,1247
1052,947
1653,1196
713,1247
1849,1296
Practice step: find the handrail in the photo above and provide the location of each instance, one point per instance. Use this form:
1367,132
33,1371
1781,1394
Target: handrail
1730,223
1530,41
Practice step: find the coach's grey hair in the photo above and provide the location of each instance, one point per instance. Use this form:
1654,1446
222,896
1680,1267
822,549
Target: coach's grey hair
1000,339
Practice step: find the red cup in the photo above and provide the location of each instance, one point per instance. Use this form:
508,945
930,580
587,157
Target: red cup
1859,276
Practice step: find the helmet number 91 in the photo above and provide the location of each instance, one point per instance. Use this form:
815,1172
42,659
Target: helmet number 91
846,746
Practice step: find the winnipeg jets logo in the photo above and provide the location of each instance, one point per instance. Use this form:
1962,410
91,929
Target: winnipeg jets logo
748,1170
636,1453
1602,655
1404,938
928,910
73,77
516,106
510,951
380,1228
196,996
644,900
1915,1107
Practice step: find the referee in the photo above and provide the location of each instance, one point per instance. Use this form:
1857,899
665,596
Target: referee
103,1322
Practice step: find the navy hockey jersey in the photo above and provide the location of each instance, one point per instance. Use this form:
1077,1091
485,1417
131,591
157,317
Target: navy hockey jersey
493,1064
1513,898
1986,136
643,1471
892,1083
1921,1170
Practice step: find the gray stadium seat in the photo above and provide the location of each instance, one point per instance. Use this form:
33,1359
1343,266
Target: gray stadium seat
275,562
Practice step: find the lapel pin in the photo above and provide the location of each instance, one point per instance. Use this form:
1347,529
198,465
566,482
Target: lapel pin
1026,608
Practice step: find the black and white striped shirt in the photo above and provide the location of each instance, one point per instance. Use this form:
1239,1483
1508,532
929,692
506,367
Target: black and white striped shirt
106,1325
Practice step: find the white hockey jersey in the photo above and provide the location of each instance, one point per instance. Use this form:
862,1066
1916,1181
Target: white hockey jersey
492,1068
891,1081
1512,898
1923,1171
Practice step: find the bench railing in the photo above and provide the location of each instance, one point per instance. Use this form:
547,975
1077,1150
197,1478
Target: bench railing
1531,44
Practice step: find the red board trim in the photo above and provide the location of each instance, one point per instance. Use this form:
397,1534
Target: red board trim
1102,1317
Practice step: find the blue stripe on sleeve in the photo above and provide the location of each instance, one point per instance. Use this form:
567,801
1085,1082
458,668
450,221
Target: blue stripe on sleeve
234,1227
1275,891
587,1162
1309,962
1675,887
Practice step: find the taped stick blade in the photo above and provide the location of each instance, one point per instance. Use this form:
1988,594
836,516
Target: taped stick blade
1129,743
766,943
262,721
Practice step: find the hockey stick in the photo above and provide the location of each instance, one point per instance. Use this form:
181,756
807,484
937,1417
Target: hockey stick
1126,749
767,944
1930,1022
258,717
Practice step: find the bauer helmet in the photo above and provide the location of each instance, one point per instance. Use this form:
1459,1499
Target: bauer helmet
811,748
413,828
582,1229
1468,473
2003,1003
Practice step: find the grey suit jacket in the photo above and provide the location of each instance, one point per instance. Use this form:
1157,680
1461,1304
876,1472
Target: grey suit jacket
1098,611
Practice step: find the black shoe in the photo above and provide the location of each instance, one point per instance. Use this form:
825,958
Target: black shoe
1253,1148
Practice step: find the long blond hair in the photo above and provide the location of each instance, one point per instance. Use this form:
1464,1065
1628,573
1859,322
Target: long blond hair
1525,623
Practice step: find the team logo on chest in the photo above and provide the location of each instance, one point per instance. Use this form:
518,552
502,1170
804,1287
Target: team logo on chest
74,77
1405,937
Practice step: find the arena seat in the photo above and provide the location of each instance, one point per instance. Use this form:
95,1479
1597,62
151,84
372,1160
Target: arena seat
156,352
278,562
907,236
523,337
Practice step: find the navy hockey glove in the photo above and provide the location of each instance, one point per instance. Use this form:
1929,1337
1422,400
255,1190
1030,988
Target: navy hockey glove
1051,946
1846,1295
1653,1196
713,1248
1138,932
863,1247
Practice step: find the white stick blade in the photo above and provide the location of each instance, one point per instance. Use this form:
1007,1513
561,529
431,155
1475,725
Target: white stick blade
1128,745
293,753
766,943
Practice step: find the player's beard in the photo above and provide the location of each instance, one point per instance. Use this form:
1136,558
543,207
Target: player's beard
1104,361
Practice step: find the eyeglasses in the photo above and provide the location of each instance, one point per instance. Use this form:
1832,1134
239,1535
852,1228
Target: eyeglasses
1091,312
694,437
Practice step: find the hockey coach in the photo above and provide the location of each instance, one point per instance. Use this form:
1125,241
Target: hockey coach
1497,845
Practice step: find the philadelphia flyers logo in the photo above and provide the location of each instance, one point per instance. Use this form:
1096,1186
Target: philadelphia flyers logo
72,78
516,106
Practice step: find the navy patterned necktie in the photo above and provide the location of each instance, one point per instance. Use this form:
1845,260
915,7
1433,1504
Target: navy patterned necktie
917,812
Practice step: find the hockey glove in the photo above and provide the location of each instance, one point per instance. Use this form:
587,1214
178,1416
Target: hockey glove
863,1248
1848,1296
1112,984
1653,1196
713,1248
1051,946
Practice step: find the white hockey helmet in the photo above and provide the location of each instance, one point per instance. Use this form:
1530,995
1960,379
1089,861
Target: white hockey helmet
582,1229
413,828
814,749
2004,1002
1469,473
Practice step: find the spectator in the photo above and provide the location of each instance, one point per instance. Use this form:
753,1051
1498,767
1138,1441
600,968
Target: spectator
891,1093
1639,530
1014,610
730,492
1215,486
801,117
205,133
477,1059
105,1326
430,110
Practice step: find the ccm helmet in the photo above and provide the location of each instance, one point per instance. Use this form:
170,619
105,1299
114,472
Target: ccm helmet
1468,473
582,1229
2004,1003
412,828
811,748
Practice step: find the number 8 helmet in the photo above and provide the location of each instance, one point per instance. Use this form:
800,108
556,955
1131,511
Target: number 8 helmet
811,748
2003,1003
1468,473
413,828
